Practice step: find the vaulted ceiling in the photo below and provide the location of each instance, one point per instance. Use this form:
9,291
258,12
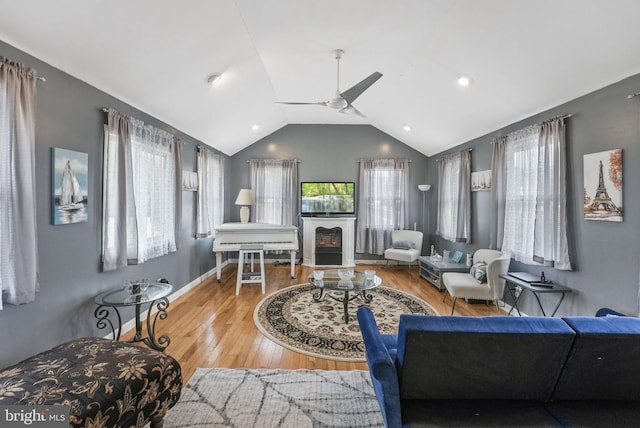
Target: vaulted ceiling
523,57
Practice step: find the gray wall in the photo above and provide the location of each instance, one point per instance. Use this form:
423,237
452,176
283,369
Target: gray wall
331,152
69,115
605,256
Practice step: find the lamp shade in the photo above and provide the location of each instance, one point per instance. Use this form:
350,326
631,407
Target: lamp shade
245,197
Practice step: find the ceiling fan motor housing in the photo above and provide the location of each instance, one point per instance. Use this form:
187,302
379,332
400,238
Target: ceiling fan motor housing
342,100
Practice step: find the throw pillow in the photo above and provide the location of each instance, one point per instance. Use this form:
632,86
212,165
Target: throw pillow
479,271
402,245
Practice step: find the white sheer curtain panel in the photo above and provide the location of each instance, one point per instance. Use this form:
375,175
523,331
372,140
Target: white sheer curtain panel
154,172
551,247
521,186
529,195
210,196
382,203
140,191
275,190
454,197
18,234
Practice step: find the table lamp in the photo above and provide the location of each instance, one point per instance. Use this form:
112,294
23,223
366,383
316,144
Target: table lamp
245,198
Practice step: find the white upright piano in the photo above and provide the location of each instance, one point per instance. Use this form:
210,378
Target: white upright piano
230,236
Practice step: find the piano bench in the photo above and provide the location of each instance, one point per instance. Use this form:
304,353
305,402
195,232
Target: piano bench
253,277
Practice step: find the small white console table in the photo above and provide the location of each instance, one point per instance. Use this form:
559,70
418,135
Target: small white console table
309,226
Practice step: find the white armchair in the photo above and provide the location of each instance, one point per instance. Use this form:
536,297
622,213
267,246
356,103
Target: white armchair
464,285
406,246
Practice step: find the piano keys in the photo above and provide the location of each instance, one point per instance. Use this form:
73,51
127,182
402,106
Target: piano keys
230,236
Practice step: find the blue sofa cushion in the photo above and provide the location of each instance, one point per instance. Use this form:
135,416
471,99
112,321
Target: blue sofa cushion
607,312
596,414
390,342
476,413
604,363
381,367
490,358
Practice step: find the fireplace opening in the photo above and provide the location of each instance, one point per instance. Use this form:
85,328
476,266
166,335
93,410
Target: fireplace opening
328,246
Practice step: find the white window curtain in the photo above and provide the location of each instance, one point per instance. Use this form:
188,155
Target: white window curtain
529,195
521,157
18,237
275,190
210,196
454,197
382,203
142,192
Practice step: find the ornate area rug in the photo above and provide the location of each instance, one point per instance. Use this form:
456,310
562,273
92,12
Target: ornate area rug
276,398
291,318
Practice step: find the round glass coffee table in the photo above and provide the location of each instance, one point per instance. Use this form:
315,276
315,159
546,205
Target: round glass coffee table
358,284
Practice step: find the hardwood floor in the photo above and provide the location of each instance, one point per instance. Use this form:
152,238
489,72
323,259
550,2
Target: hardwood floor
210,327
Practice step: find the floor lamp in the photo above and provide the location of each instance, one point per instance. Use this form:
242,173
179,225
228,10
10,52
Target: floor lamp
424,188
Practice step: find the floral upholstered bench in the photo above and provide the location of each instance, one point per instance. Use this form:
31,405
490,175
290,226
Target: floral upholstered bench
105,383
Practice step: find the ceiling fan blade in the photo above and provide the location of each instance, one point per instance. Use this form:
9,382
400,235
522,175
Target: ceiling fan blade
321,103
356,90
352,111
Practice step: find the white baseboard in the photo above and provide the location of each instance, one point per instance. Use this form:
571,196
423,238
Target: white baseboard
372,262
514,311
287,261
131,324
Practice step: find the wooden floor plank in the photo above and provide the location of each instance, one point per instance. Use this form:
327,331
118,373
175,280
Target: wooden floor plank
210,326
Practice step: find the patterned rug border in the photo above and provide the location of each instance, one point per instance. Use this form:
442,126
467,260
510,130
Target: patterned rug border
270,336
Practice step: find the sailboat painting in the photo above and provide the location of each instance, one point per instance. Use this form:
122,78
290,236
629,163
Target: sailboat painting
70,186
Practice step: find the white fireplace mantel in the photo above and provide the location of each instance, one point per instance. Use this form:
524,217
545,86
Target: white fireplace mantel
309,226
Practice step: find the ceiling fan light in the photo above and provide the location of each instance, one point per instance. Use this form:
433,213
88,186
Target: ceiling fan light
464,80
337,103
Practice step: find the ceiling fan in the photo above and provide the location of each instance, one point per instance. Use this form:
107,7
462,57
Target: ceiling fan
342,100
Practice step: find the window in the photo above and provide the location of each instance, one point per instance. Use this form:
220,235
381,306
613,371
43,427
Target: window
454,197
382,203
140,192
529,195
275,188
210,209
521,161
18,244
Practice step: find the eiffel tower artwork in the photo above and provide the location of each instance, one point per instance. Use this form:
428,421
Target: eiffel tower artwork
601,206
602,201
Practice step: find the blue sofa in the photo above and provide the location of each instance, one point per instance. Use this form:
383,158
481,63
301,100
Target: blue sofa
506,371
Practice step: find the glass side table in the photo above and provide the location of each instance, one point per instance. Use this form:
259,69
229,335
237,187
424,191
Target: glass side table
155,296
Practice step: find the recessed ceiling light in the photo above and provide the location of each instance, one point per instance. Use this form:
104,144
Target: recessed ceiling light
406,128
213,78
255,127
464,80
